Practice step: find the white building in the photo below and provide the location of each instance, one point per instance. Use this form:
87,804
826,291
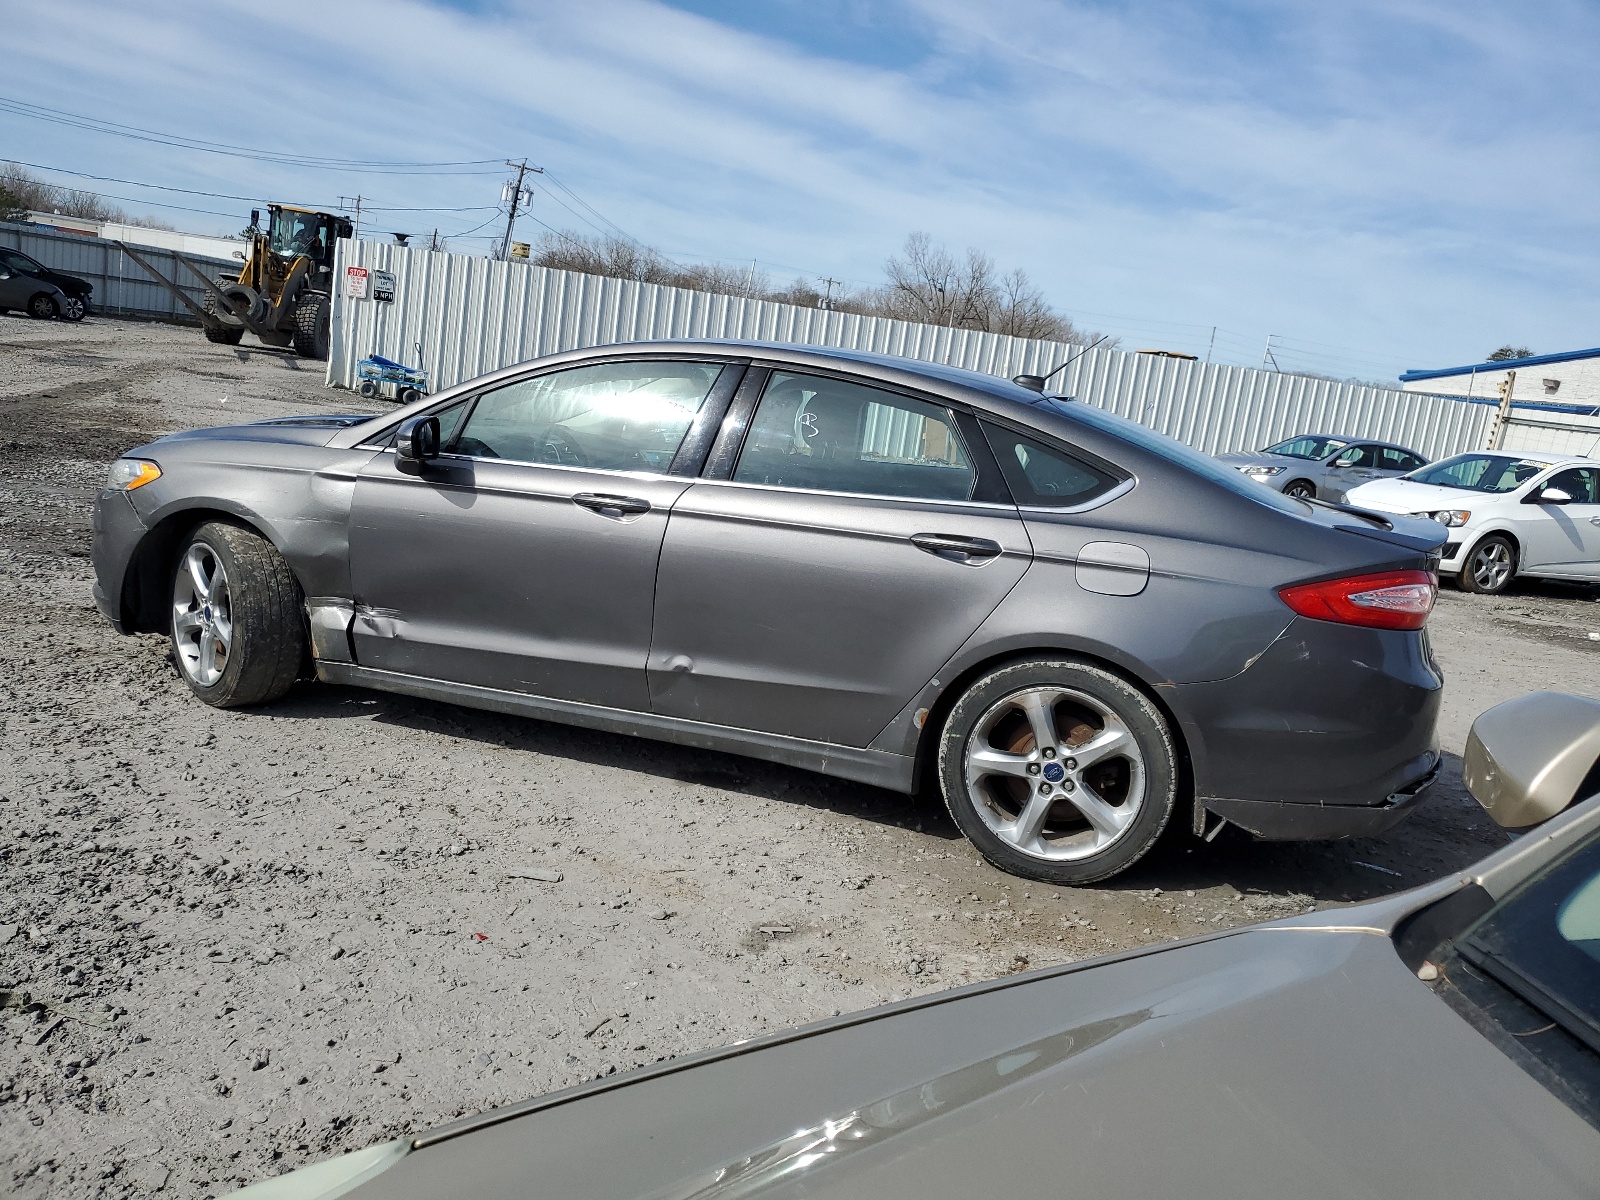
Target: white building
138,235
1570,378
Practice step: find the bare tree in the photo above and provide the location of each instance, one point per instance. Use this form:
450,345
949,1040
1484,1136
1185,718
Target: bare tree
926,283
21,193
929,284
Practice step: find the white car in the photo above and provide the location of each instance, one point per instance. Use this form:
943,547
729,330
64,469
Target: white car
1508,514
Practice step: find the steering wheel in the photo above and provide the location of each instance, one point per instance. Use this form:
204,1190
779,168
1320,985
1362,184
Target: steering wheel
558,446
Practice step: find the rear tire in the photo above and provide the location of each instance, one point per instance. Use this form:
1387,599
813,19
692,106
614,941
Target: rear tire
1489,567
1025,800
312,332
238,634
42,307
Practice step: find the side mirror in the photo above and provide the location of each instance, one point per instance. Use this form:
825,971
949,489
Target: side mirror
1553,495
1533,757
417,440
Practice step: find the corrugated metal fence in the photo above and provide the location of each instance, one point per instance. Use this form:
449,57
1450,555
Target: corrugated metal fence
470,315
121,286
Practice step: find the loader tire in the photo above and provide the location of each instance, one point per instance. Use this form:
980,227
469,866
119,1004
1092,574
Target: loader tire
227,334
311,326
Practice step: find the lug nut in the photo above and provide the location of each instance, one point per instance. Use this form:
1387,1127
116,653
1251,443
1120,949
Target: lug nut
1070,764
1033,768
1068,786
1044,789
1049,752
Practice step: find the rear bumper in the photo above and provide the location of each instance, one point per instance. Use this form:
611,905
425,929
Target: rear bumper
1330,733
1279,822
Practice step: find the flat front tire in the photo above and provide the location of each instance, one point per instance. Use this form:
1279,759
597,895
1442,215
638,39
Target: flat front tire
1058,770
238,636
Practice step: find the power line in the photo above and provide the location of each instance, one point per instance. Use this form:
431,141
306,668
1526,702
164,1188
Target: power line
230,196
137,133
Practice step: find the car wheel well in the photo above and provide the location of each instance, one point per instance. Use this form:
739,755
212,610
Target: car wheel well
926,771
145,586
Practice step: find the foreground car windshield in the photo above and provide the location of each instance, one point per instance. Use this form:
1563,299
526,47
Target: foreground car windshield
1307,447
1479,473
1543,943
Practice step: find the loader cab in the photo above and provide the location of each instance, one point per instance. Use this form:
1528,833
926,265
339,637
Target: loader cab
294,232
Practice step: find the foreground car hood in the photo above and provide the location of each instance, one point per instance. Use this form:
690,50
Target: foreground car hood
1270,1063
1403,496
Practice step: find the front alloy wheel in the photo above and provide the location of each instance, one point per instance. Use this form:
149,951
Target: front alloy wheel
1490,567
74,309
1058,771
238,629
202,616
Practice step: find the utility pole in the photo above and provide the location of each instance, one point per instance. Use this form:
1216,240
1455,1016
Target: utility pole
515,191
1211,343
827,296
348,201
1497,435
1267,355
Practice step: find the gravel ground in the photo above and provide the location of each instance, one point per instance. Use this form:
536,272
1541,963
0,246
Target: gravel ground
261,937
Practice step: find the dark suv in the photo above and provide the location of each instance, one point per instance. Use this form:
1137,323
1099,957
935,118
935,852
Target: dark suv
77,291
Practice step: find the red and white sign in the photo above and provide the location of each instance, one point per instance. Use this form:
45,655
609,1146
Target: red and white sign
356,282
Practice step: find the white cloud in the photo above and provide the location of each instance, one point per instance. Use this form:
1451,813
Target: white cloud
1411,179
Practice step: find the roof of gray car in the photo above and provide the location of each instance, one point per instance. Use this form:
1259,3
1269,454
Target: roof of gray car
993,385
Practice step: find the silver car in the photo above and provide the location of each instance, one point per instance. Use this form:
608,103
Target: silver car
895,572
1438,1044
1324,466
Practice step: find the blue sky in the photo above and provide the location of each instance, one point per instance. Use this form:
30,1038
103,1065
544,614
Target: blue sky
1381,185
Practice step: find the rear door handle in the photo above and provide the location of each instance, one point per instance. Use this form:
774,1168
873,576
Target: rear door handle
611,506
950,543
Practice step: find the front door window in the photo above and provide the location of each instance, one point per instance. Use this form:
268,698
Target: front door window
627,416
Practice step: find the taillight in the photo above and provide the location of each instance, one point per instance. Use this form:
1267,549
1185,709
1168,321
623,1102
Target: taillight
1391,600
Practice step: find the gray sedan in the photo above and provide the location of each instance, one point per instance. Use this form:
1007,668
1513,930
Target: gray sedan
890,571
1437,1044
36,297
1324,466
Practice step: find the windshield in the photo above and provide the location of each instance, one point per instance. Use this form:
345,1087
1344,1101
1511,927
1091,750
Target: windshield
1308,446
1543,942
1176,452
1493,473
295,233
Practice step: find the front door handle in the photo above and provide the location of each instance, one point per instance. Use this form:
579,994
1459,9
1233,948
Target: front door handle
954,544
611,506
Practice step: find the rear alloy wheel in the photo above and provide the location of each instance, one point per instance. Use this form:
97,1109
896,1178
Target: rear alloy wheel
1301,489
1058,770
237,632
42,307
74,309
1490,566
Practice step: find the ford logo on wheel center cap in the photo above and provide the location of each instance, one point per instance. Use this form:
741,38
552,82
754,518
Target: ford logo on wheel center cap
1054,772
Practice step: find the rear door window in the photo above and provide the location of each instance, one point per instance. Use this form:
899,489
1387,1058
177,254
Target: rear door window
1044,476
824,434
628,416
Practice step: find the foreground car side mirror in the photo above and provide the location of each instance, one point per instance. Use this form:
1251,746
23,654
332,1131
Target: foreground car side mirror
417,440
1533,757
1552,495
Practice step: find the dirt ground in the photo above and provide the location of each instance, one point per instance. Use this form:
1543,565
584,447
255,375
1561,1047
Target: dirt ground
266,936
